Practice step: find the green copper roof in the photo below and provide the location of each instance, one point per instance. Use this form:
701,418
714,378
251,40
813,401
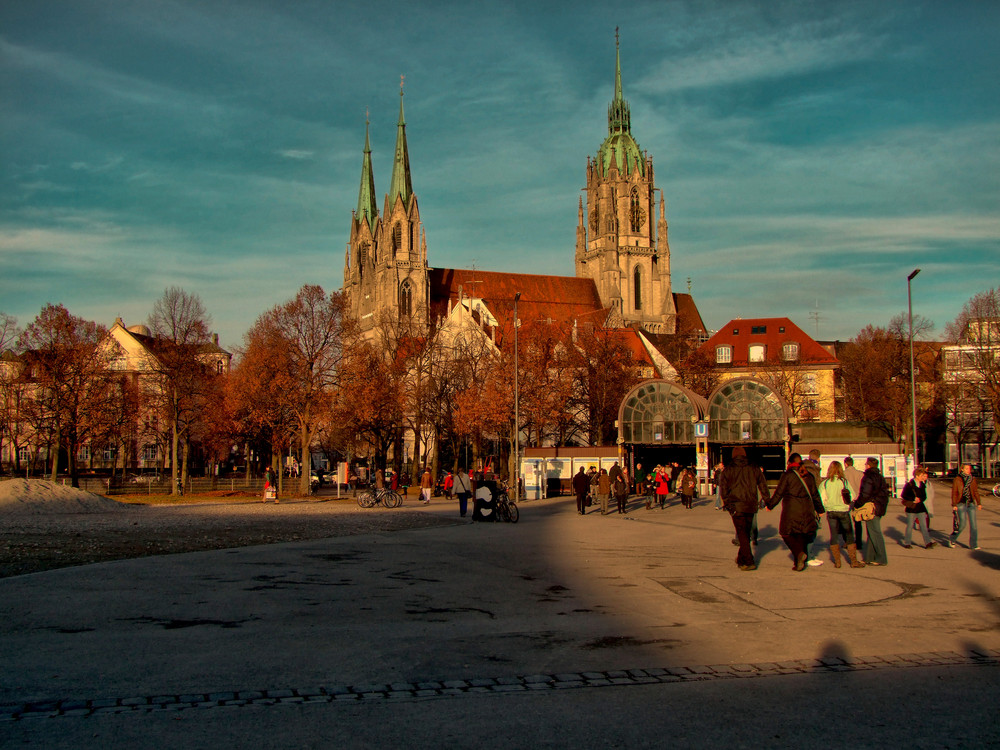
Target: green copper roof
367,210
620,146
400,184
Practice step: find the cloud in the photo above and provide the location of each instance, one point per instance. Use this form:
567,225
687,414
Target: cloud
299,154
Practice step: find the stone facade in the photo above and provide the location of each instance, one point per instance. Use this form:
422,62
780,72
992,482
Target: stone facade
621,248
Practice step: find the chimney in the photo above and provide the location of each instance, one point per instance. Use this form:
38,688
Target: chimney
215,339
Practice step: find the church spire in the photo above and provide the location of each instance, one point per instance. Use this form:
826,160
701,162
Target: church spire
619,119
400,184
367,210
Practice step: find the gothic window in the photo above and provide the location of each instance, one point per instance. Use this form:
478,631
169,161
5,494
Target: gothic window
636,214
405,300
397,237
363,257
637,288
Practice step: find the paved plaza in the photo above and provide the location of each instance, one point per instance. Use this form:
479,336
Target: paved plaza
619,631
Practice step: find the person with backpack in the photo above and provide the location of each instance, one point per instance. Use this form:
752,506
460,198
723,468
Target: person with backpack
874,490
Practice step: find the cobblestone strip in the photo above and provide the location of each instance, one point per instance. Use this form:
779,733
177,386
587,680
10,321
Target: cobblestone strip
447,688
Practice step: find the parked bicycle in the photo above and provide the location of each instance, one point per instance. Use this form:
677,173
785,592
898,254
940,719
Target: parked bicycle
506,507
387,498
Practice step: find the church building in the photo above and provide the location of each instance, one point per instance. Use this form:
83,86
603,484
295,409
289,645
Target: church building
622,257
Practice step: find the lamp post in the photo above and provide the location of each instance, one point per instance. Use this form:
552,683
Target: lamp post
913,377
517,411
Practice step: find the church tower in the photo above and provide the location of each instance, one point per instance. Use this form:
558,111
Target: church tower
385,272
618,245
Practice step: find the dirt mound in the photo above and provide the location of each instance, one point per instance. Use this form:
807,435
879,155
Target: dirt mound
39,496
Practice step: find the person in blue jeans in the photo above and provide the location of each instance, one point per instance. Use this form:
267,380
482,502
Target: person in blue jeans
914,497
965,501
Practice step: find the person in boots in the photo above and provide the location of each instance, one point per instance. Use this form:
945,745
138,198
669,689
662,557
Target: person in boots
835,494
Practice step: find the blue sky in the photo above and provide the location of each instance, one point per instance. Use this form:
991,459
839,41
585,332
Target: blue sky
810,153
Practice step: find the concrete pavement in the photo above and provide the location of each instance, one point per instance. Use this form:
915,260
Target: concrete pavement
479,630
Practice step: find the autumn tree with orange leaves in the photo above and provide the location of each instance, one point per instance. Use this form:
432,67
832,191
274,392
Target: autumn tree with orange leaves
73,392
302,344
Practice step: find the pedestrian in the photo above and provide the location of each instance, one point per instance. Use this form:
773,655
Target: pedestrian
853,477
871,505
462,488
742,486
675,472
604,490
426,485
447,483
620,490
800,506
914,497
716,476
270,485
812,465
662,485
965,501
835,494
614,472
379,479
393,480
581,486
688,487
929,502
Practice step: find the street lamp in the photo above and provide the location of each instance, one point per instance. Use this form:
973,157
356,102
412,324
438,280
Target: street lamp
517,426
913,377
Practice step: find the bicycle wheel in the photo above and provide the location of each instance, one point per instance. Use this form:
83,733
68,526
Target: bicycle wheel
366,500
996,490
392,499
512,512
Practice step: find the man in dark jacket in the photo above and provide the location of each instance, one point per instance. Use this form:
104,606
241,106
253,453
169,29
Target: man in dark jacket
581,486
874,490
741,487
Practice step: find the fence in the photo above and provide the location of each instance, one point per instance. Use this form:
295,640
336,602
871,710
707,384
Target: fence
160,485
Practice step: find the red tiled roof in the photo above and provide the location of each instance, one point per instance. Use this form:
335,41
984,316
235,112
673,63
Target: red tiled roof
688,318
629,338
777,332
559,299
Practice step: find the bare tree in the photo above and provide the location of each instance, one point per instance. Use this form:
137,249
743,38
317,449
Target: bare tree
305,343
180,327
974,370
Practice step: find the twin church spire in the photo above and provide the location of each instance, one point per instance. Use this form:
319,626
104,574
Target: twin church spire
385,267
401,184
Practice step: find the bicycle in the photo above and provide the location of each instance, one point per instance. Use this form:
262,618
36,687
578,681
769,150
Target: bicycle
506,507
387,498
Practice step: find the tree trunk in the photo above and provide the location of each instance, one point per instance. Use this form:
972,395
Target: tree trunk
185,462
174,444
55,455
306,463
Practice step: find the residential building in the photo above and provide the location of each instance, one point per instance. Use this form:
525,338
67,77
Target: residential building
782,356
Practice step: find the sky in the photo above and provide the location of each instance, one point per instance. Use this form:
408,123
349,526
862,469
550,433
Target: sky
812,154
